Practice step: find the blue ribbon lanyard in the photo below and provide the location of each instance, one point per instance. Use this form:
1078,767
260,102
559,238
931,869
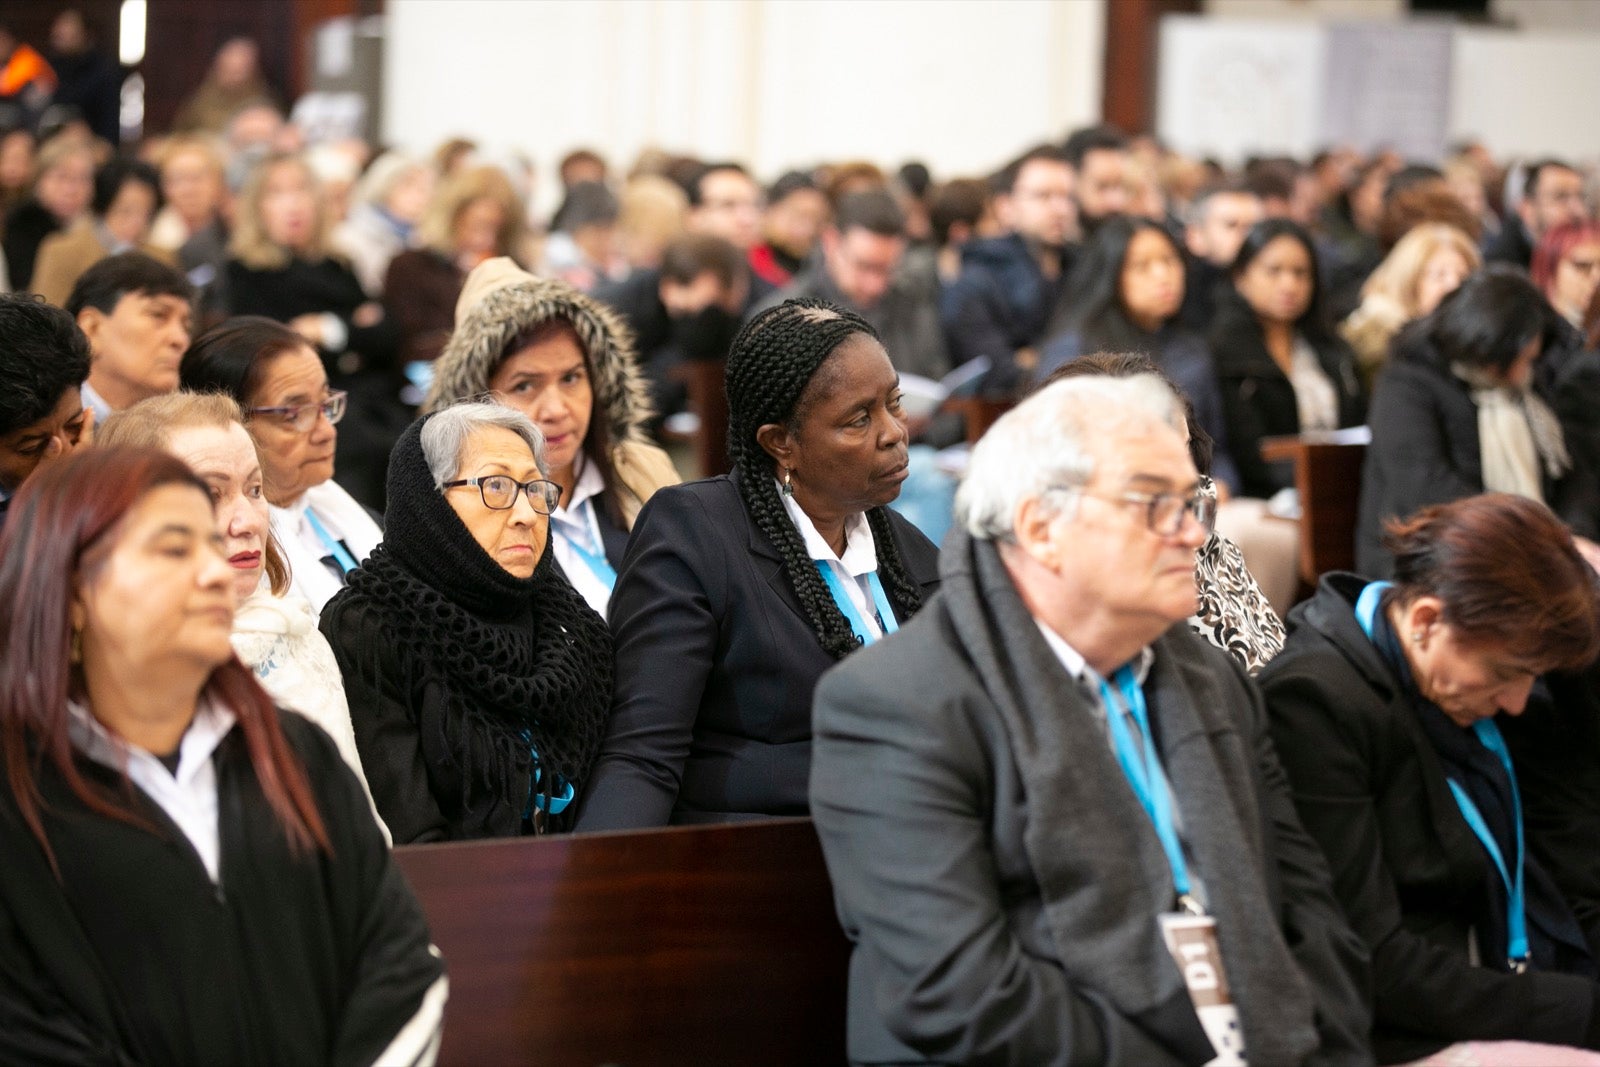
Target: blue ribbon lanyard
341,555
1488,735
1142,767
558,803
880,601
595,560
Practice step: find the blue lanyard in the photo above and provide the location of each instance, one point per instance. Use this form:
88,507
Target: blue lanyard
1143,771
558,803
341,555
880,601
595,561
1488,735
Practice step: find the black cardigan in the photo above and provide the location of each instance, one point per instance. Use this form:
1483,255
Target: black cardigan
716,662
1257,397
134,956
1407,869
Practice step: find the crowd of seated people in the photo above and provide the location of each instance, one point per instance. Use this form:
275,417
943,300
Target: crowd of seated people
343,508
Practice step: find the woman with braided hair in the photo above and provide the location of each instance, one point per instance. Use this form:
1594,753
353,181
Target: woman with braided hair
737,592
479,681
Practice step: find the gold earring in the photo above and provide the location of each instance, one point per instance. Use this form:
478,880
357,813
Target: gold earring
788,479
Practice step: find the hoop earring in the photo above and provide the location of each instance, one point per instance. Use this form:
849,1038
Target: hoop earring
788,481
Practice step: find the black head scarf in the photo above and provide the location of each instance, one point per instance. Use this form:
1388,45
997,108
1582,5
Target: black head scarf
525,664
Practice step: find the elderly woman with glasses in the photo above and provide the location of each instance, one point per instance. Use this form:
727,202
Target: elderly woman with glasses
278,380
479,680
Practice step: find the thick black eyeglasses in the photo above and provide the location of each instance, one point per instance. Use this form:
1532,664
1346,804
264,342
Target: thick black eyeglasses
499,492
301,417
1164,512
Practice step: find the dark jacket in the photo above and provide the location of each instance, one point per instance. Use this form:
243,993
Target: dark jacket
1203,283
1001,302
1182,356
715,665
1002,884
420,292
1425,450
1410,873
25,230
1511,245
1257,399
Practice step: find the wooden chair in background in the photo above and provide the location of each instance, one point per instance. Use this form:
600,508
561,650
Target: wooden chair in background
1327,475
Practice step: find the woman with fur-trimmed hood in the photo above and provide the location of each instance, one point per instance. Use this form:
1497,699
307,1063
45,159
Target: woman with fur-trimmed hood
568,363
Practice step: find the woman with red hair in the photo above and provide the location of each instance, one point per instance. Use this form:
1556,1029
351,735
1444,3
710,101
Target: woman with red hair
191,876
1566,268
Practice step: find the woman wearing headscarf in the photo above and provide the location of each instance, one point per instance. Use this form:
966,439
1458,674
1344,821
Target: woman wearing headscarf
567,362
479,681
1387,707
1460,411
739,591
190,877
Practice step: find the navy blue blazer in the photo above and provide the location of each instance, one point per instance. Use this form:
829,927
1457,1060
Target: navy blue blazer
716,661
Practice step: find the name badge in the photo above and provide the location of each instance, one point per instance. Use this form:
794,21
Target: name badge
1192,940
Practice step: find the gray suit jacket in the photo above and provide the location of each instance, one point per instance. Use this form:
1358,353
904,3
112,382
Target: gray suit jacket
920,805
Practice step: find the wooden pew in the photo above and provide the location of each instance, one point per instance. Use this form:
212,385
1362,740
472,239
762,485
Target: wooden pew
693,945
1327,474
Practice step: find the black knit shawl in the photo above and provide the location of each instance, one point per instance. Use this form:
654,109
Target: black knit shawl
520,661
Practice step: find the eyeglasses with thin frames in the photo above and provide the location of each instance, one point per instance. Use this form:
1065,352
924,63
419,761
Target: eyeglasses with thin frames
1164,512
301,417
499,492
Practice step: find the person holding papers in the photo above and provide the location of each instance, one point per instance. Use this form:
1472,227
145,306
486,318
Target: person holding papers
738,592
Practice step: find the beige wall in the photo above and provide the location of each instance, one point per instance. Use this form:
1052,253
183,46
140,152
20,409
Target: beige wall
961,84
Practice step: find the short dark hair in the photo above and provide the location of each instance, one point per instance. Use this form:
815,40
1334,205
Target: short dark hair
916,177
104,285
1005,179
1202,200
1273,178
1536,169
1101,138
118,172
232,357
957,200
696,195
42,355
873,210
586,204
690,255
788,184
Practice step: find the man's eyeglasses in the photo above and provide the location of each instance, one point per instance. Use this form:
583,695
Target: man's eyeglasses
1164,512
301,417
499,492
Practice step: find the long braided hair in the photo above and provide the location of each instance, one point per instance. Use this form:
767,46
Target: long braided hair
773,361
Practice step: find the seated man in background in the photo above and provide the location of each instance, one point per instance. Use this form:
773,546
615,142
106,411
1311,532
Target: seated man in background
136,313
1219,218
1056,827
44,359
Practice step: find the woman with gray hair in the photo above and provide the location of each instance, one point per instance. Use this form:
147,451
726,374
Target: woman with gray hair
479,681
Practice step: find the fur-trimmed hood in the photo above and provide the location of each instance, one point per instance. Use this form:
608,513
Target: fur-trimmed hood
500,301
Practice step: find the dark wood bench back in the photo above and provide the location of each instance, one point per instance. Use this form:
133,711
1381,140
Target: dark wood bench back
703,945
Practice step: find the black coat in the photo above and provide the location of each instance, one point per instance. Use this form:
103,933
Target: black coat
1425,450
1409,872
1257,398
1001,302
26,228
716,662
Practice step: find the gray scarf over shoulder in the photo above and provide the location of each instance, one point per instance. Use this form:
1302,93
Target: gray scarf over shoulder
1102,874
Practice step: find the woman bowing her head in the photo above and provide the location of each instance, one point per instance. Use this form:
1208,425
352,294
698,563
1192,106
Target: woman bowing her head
737,592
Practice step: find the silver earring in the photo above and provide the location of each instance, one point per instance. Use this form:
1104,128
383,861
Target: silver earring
788,479
1416,637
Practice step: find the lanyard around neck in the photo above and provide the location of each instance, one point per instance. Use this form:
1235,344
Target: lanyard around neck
880,602
1142,767
1488,735
341,555
595,558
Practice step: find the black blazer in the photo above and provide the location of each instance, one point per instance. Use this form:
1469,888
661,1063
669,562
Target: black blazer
1257,398
716,662
1407,869
1425,450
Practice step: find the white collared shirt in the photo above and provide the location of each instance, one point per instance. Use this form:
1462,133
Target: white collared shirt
578,521
189,797
344,519
860,559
